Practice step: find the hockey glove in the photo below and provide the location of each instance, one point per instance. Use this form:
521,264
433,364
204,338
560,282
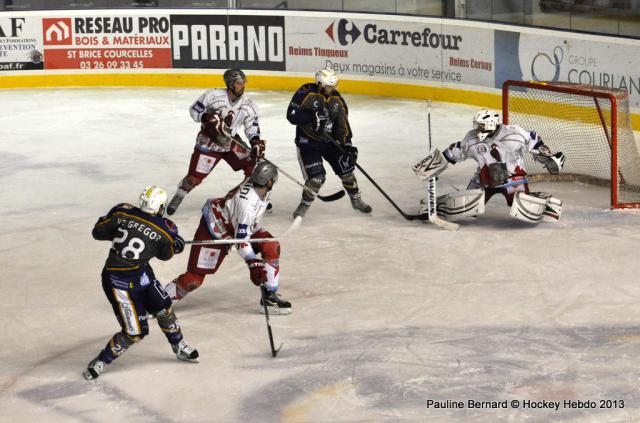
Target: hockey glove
178,244
555,163
257,271
257,149
205,117
320,120
352,152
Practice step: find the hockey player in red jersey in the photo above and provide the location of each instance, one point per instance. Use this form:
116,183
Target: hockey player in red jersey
222,113
237,216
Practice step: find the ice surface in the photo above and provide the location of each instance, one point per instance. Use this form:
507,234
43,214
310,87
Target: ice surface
387,313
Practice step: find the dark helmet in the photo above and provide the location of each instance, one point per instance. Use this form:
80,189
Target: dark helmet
232,75
264,172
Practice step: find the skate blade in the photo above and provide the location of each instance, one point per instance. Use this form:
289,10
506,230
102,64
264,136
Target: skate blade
187,359
276,310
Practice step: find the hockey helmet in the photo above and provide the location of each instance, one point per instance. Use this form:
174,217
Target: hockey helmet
326,78
232,75
486,121
153,200
264,172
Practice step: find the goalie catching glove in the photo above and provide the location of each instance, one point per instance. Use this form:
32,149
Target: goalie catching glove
552,162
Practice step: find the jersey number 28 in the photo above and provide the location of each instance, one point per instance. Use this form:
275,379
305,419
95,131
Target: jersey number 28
134,247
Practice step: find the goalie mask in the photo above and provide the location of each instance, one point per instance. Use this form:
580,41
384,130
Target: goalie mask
153,200
485,122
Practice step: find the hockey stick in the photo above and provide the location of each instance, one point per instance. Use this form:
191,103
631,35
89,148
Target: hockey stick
274,351
294,225
432,203
326,198
384,194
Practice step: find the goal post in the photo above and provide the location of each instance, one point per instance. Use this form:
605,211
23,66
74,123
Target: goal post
591,125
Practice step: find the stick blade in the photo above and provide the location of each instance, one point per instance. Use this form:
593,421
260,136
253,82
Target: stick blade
444,224
274,352
333,197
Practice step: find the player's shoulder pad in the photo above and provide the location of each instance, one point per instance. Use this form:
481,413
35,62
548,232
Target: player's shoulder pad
125,207
307,88
172,227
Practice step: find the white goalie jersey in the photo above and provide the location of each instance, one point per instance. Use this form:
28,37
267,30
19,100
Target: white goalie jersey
243,113
504,150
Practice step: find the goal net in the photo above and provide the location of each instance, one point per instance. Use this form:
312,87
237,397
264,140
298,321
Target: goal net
590,125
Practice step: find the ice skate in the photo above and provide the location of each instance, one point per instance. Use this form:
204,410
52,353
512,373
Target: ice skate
301,210
185,352
275,304
358,204
94,369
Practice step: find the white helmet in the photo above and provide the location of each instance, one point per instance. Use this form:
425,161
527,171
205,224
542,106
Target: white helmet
486,121
153,200
326,78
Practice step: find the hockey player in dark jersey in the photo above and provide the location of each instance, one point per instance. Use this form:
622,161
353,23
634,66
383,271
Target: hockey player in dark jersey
138,234
321,117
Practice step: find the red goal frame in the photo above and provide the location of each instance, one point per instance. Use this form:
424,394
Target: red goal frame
586,91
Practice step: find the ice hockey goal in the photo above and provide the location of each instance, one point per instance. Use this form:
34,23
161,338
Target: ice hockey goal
591,125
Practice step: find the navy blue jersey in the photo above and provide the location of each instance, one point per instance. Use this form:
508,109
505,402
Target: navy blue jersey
136,237
308,101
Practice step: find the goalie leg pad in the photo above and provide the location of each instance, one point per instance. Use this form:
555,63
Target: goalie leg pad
553,208
460,204
528,208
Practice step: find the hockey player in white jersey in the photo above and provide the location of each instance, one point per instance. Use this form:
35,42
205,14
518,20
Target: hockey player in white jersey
222,113
237,215
499,151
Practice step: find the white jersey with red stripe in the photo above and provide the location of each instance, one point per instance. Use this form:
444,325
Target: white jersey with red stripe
242,113
238,215
507,145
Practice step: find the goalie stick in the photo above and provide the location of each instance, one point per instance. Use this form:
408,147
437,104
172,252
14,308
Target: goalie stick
432,203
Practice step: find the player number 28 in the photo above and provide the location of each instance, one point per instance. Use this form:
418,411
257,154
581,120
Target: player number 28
135,245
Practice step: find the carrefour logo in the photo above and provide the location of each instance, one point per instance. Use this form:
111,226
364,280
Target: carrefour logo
345,29
346,32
